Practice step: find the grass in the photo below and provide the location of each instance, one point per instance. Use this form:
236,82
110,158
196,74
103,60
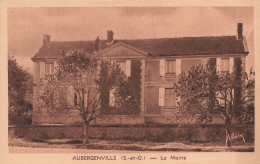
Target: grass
130,145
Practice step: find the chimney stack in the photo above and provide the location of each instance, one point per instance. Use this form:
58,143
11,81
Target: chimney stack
46,39
240,31
97,44
110,39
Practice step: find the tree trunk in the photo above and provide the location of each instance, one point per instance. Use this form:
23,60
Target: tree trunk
85,134
228,133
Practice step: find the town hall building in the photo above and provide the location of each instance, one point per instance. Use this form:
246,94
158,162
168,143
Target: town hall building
151,66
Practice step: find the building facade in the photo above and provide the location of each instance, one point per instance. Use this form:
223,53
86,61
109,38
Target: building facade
151,66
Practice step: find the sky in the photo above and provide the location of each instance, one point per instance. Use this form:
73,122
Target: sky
26,26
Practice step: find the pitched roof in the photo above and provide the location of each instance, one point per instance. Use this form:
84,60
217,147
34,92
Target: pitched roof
54,49
155,47
189,45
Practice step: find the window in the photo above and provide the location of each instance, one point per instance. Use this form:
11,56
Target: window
49,68
75,99
122,65
152,73
169,97
125,66
186,64
222,97
113,101
225,65
170,67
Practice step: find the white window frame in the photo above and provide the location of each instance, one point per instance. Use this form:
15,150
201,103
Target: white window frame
174,104
168,63
51,68
222,66
127,69
202,61
231,65
120,65
42,70
178,66
162,67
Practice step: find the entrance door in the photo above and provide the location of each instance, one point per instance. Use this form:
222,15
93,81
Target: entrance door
152,100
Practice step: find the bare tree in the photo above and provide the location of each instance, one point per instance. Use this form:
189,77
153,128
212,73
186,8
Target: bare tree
82,73
203,94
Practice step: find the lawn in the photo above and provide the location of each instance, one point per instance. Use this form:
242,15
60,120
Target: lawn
131,145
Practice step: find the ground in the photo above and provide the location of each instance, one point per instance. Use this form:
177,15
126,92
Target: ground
17,145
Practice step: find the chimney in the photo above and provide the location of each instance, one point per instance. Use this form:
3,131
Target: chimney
240,31
97,44
46,39
110,39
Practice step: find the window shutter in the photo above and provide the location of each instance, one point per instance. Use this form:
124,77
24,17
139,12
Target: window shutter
162,67
205,61
231,65
128,68
85,99
42,69
220,101
55,66
70,96
218,66
35,76
98,67
161,96
178,67
112,62
111,98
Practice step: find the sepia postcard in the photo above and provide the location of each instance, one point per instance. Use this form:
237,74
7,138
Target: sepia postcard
129,81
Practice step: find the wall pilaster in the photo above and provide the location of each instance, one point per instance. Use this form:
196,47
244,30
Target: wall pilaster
142,104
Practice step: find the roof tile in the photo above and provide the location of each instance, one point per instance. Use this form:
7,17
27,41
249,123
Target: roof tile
155,47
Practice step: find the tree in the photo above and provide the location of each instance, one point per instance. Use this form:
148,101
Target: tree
205,95
51,99
80,71
19,84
